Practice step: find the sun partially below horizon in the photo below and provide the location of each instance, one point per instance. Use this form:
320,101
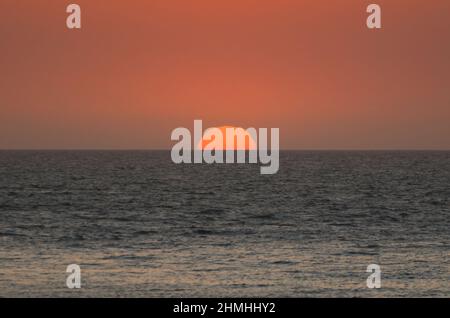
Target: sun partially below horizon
238,133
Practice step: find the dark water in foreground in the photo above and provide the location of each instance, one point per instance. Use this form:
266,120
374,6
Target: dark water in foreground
139,225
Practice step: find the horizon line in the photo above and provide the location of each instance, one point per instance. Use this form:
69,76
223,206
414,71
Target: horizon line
169,149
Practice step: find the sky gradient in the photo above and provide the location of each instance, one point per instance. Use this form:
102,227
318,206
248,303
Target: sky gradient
139,69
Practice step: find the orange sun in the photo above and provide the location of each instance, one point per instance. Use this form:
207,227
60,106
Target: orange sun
242,139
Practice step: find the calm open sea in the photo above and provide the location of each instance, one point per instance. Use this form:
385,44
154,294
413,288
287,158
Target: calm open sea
139,225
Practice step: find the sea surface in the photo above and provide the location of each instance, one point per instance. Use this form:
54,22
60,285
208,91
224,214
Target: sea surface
141,226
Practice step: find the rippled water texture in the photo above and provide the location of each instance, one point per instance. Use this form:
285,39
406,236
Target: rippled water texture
141,226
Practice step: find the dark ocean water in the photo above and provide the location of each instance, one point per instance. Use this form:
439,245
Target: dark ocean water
139,225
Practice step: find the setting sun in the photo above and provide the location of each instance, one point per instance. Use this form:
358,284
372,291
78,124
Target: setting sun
242,138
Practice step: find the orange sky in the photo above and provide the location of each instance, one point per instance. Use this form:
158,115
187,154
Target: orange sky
138,69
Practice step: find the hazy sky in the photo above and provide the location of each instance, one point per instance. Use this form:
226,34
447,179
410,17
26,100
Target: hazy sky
138,69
